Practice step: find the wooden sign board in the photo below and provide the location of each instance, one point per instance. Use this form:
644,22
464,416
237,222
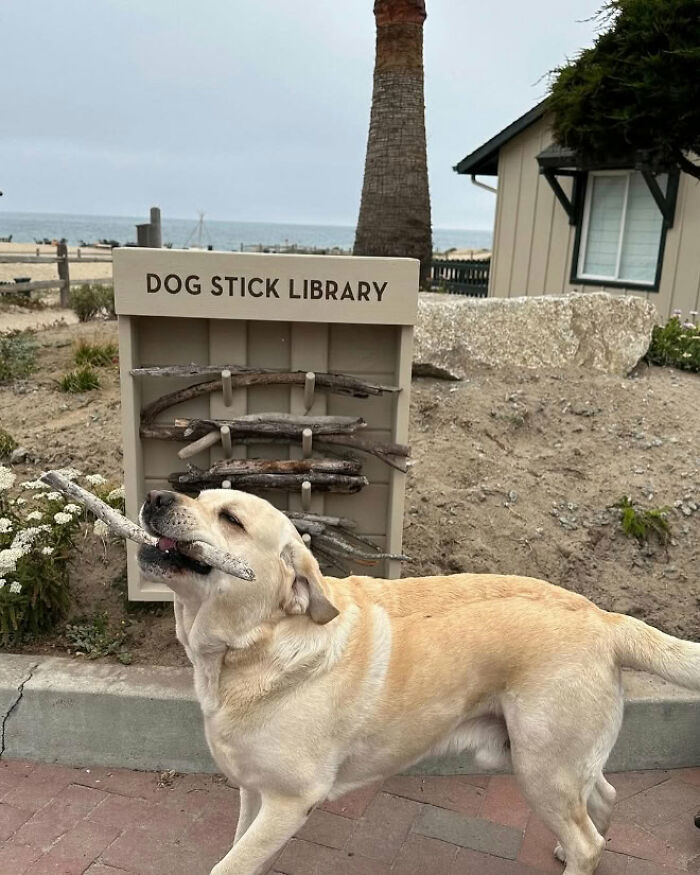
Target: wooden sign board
326,314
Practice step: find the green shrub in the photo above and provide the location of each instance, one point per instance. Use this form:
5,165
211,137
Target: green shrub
643,524
35,545
23,300
7,444
94,637
89,301
676,344
98,354
80,380
17,355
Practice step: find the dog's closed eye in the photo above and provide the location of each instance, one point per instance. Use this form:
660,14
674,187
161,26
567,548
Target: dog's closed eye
231,518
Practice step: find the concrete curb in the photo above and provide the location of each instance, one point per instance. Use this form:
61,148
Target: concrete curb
82,713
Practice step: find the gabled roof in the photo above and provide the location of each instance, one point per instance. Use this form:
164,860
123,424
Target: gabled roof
484,160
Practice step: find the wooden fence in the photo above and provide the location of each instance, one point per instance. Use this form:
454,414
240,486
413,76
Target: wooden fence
461,277
63,281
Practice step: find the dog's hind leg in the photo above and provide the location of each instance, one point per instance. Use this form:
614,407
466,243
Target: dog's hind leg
601,801
277,821
250,801
561,733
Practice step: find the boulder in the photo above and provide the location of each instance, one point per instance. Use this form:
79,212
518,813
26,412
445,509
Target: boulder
597,330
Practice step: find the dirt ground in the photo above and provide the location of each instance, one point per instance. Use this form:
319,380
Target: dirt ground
514,471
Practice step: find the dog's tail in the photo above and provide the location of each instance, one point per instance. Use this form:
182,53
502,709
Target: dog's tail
647,649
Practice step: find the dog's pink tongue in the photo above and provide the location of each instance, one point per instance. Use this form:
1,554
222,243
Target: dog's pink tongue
166,544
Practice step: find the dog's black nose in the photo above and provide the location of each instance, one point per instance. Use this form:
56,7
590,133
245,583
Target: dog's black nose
158,498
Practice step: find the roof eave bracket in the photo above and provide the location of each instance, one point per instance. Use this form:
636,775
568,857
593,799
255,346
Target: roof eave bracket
665,202
570,205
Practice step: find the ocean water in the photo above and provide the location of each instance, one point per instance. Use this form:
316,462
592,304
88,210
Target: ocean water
28,227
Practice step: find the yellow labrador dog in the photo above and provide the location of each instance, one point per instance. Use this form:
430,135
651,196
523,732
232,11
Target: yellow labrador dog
311,686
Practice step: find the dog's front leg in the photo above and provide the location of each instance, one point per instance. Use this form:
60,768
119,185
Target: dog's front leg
277,821
250,801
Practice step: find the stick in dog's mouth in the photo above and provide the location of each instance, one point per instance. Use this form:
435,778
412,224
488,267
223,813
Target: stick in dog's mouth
198,552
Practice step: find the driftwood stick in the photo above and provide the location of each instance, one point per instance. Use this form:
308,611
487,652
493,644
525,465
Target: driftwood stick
195,481
334,544
331,559
393,455
338,521
337,383
123,527
340,384
235,467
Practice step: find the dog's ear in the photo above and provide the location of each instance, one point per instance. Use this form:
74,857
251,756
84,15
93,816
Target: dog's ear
306,594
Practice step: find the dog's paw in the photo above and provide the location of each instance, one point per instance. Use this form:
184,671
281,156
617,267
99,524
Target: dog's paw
559,853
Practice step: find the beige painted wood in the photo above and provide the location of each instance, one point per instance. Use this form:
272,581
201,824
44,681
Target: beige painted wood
374,351
534,243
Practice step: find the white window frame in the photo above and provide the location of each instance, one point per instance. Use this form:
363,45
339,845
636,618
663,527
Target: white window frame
580,275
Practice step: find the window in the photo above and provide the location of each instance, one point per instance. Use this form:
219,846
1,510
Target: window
622,229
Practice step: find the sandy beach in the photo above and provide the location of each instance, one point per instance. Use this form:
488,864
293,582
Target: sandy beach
37,272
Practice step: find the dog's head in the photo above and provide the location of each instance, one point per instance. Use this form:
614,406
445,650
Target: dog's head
286,574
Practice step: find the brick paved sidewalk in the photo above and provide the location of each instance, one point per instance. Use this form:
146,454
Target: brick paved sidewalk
61,821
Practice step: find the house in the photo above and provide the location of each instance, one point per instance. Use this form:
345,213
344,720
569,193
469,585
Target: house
563,226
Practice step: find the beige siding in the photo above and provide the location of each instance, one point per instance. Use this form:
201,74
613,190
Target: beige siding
534,243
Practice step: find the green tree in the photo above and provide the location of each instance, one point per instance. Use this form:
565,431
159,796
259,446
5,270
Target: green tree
637,90
394,217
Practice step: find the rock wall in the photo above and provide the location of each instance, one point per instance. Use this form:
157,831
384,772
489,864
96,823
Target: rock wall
597,330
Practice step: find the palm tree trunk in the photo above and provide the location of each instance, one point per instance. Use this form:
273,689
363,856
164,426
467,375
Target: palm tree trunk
394,215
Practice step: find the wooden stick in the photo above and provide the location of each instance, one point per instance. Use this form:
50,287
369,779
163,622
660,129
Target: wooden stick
340,384
123,527
333,543
337,383
186,429
235,467
338,521
195,481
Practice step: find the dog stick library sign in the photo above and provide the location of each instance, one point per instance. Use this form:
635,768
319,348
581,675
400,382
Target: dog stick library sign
284,375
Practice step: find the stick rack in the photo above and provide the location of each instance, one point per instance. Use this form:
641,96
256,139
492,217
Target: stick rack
300,362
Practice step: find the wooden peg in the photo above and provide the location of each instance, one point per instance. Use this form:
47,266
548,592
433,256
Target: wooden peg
209,439
227,388
309,390
306,538
307,437
225,433
225,484
306,495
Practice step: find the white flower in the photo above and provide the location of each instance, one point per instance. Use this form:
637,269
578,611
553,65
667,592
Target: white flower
16,586
100,529
24,539
40,496
7,478
5,525
33,484
21,501
115,494
73,508
53,496
70,473
35,515
62,518
47,551
8,559
95,479
2,582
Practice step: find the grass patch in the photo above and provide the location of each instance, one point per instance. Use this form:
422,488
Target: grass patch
17,355
676,344
7,444
99,355
643,525
89,301
23,300
94,637
83,379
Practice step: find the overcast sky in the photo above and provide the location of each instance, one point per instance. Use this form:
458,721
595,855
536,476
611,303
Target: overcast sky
252,110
